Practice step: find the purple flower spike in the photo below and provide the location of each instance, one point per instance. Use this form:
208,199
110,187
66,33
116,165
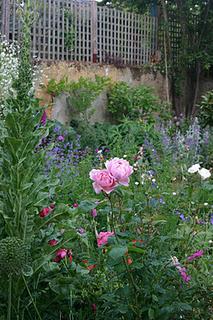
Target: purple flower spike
195,255
184,275
44,118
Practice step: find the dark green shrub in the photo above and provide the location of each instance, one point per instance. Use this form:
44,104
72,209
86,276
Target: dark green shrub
132,102
206,109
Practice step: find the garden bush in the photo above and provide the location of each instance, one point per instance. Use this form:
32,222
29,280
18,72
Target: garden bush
118,227
134,102
206,109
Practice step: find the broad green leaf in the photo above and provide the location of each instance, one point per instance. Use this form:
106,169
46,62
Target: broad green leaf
118,252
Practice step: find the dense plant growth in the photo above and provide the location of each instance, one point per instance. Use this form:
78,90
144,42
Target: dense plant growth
80,94
206,109
112,222
134,102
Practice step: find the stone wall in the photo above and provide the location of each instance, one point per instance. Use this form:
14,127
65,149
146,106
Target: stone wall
58,108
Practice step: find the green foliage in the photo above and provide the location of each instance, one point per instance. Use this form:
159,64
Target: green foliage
23,85
206,109
70,32
84,91
14,256
80,94
133,102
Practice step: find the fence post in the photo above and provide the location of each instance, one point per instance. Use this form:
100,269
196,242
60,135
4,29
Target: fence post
94,34
5,28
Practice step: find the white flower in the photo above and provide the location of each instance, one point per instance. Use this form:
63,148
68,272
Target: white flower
205,204
136,183
194,168
174,193
204,173
175,261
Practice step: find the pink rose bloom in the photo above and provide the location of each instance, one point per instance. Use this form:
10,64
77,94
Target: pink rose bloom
195,255
60,255
102,237
103,181
120,169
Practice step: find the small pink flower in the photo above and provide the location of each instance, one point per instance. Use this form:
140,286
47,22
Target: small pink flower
44,212
120,169
184,275
102,237
103,181
75,205
94,213
52,242
44,118
195,255
60,255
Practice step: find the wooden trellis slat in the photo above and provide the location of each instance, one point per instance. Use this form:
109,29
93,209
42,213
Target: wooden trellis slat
83,31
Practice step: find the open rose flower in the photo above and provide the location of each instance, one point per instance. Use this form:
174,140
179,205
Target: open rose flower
120,169
194,168
102,237
204,173
60,255
103,181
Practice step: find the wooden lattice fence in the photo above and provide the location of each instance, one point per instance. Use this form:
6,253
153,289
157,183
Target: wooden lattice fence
83,31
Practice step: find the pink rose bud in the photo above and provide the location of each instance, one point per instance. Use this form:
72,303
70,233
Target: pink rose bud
94,213
75,205
52,242
44,212
120,169
103,181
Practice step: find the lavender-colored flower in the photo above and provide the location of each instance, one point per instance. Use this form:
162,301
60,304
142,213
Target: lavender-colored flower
195,255
151,173
161,200
211,219
60,138
182,217
57,129
81,231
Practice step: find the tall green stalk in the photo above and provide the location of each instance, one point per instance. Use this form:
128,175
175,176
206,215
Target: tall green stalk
9,306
